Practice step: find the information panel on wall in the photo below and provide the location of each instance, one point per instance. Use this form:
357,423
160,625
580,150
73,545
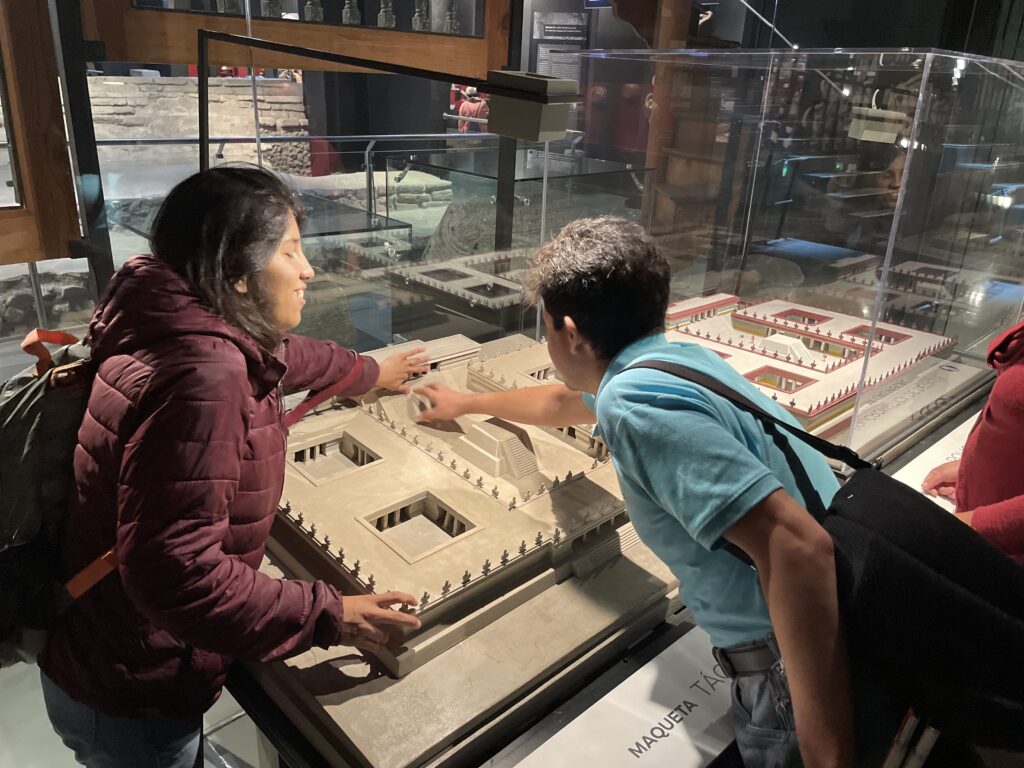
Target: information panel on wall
554,32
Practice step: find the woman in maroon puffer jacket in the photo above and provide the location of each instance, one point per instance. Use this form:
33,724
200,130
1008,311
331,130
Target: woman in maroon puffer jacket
180,466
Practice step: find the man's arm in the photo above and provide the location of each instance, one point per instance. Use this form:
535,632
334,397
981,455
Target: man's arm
551,405
796,565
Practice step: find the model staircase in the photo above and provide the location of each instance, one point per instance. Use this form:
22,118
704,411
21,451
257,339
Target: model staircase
803,354
521,460
612,546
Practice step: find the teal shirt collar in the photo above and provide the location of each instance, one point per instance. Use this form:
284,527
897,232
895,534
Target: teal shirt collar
629,355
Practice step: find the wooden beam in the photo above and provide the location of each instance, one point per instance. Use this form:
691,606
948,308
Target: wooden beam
47,220
161,37
19,237
497,31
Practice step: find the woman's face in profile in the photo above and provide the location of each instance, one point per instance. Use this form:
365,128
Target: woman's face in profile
891,179
285,279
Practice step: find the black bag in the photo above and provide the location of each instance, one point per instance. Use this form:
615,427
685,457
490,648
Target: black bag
924,598
41,409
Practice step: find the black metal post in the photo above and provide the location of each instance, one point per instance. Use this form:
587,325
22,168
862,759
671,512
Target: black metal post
515,36
505,197
74,54
203,72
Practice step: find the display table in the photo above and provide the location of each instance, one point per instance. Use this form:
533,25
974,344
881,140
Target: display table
653,694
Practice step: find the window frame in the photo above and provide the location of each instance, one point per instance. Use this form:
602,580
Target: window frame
45,221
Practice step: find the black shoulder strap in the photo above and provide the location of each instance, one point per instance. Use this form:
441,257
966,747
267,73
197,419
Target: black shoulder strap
831,450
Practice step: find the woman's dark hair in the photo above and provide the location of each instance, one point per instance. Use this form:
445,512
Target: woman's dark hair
221,226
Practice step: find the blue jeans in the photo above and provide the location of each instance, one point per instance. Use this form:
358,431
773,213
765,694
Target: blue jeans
102,741
762,713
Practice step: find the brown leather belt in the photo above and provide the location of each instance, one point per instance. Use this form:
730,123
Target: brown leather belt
748,658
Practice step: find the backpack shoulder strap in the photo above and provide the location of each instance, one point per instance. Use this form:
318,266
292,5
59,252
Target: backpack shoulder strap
831,450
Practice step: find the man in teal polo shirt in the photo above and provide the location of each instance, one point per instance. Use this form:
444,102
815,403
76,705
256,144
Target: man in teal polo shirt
696,472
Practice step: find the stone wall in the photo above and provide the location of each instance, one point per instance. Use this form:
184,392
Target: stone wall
168,107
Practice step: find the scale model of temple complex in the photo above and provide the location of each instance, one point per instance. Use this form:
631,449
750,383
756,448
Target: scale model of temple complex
515,539
808,359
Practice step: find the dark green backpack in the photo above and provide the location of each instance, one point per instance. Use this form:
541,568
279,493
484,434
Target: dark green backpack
41,409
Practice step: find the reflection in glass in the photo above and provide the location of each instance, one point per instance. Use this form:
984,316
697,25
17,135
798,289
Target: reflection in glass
464,18
9,193
845,229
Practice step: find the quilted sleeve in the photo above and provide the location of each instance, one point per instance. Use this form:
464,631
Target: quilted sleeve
178,479
315,364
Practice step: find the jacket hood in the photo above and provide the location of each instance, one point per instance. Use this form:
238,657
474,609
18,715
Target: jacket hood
1008,348
148,303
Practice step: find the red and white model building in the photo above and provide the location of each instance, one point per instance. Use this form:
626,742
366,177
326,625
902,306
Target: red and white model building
808,359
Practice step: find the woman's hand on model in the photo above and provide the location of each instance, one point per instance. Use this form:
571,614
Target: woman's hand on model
369,619
445,403
941,481
396,369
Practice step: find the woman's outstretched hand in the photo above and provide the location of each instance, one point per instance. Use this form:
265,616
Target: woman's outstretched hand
396,369
369,619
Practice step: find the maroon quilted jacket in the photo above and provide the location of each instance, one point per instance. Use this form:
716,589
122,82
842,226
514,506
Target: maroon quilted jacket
180,461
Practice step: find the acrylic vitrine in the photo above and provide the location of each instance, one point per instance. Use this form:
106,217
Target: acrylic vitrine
844,226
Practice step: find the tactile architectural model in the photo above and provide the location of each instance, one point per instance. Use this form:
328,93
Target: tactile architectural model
515,540
460,510
808,359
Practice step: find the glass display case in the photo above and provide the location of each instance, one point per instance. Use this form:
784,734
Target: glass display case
446,17
844,227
